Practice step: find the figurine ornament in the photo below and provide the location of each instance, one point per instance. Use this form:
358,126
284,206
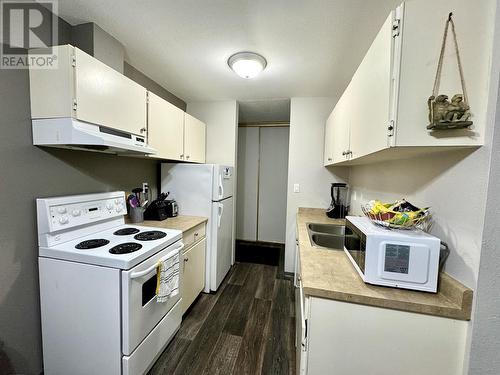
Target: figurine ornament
445,114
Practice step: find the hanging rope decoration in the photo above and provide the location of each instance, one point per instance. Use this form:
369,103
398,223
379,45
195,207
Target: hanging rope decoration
444,114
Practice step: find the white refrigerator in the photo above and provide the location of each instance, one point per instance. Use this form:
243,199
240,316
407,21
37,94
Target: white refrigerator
206,190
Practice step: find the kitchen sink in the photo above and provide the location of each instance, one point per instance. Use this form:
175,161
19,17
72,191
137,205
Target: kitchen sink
326,236
327,228
329,241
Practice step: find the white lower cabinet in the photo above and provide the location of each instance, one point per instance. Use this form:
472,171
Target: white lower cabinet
343,338
193,273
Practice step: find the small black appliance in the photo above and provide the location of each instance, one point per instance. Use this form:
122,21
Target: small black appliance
161,208
339,207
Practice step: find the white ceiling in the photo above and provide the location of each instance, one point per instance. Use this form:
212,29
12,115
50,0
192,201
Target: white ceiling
312,46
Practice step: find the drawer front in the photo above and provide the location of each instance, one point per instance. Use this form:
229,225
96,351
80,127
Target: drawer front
142,358
193,235
193,274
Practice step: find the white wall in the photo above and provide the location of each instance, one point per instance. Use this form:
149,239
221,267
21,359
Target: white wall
305,164
485,340
221,118
485,347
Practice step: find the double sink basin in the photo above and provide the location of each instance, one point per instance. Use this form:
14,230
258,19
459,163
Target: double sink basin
327,236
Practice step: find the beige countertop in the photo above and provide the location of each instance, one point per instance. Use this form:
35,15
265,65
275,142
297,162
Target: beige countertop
183,223
330,274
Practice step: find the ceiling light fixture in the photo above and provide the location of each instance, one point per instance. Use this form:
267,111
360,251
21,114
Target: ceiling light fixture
247,64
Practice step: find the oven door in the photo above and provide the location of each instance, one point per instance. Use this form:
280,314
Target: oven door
140,311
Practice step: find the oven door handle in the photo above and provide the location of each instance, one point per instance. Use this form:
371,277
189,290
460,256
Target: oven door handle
135,275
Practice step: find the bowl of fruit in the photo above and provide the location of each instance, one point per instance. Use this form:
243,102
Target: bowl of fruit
397,215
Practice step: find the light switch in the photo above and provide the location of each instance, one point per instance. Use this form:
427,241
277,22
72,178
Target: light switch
296,188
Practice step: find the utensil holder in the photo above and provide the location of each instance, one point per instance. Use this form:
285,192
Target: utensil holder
136,214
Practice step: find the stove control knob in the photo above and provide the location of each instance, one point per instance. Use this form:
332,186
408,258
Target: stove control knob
109,206
117,201
119,208
61,210
63,220
76,213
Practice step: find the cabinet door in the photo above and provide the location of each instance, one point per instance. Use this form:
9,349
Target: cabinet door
52,90
300,331
165,128
328,156
193,274
371,86
347,338
340,131
108,98
419,60
194,139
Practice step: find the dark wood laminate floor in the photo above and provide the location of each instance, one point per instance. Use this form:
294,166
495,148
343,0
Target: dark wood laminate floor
247,327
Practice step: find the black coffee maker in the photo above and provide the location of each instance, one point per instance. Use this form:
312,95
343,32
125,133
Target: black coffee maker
339,207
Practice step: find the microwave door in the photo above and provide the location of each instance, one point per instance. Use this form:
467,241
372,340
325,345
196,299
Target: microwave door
355,245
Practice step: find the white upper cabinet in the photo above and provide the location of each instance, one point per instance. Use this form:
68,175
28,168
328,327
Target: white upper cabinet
194,139
369,96
420,47
337,132
165,128
385,103
330,124
106,97
88,90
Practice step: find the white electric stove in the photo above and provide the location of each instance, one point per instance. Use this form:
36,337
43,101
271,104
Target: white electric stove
98,287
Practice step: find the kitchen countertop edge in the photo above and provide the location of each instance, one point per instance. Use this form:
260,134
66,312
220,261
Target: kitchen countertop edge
181,222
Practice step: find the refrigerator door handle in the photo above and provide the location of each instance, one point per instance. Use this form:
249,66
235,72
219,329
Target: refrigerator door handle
221,211
221,188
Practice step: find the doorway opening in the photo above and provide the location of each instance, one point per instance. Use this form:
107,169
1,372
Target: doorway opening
262,177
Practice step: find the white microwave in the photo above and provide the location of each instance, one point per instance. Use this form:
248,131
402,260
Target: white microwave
406,259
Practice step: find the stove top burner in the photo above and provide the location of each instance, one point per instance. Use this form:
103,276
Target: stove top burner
126,231
92,244
125,248
150,235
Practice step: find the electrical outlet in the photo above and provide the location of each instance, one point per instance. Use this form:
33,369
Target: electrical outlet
145,187
296,188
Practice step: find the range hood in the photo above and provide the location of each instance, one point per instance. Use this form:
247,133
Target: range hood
66,132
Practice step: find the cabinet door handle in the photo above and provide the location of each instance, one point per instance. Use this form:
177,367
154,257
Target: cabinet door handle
344,153
187,157
181,156
329,159
143,130
186,260
196,234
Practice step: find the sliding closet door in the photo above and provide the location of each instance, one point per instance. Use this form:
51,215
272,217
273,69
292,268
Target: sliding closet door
273,175
247,185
